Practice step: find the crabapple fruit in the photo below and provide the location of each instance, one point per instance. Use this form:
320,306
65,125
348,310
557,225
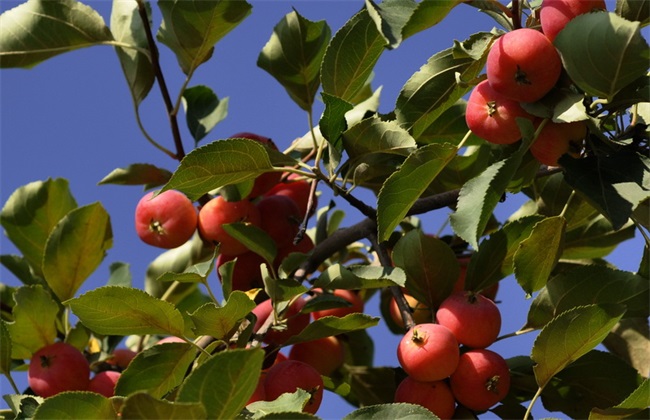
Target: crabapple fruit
246,273
295,321
555,14
280,218
428,352
492,116
56,368
290,375
121,358
325,354
167,220
267,180
435,396
103,383
557,139
523,65
218,212
356,304
298,191
481,379
474,319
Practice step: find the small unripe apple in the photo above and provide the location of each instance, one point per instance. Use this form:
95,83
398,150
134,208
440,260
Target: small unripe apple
290,375
167,220
295,321
492,116
481,379
356,304
474,319
557,139
555,14
428,352
325,354
280,218
523,65
104,382
56,368
218,212
435,396
266,181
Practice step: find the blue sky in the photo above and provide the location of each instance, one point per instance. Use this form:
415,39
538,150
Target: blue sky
72,117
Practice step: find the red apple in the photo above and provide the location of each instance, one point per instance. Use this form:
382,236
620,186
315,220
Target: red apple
104,383
246,273
435,396
523,65
474,319
492,116
325,355
428,352
217,212
481,379
167,220
356,304
56,368
266,181
557,139
290,375
298,191
121,358
280,218
555,14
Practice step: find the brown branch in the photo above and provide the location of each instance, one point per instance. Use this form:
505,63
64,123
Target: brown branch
516,14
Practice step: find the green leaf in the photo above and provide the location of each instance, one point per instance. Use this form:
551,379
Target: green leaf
537,255
217,164
75,248
638,401
369,385
127,28
5,349
613,184
156,370
350,57
630,341
35,318
571,335
219,322
479,196
614,43
391,16
332,325
293,56
39,29
111,310
590,284
374,135
198,273
19,267
634,10
596,240
76,405
203,110
144,406
138,174
287,406
430,264
23,405
427,14
255,239
407,184
191,28
391,411
30,214
120,275
332,124
441,82
494,259
337,276
224,382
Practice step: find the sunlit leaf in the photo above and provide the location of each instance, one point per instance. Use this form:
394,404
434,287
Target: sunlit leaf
39,29
255,239
75,248
374,135
332,325
203,110
114,310
5,348
391,16
76,405
138,174
337,276
219,322
144,406
638,401
287,406
392,411
120,275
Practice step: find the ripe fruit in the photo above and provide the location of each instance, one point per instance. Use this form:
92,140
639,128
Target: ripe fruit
298,191
104,383
492,116
481,380
356,304
290,375
555,14
56,368
420,312
167,220
474,319
259,394
267,180
246,274
217,212
295,321
435,396
121,358
557,139
428,352
325,355
523,65
280,218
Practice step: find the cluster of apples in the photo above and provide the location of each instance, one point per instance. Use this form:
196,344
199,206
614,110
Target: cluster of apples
447,362
59,367
522,67
305,365
278,207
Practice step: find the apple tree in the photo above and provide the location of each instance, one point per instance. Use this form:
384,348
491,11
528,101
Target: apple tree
551,105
